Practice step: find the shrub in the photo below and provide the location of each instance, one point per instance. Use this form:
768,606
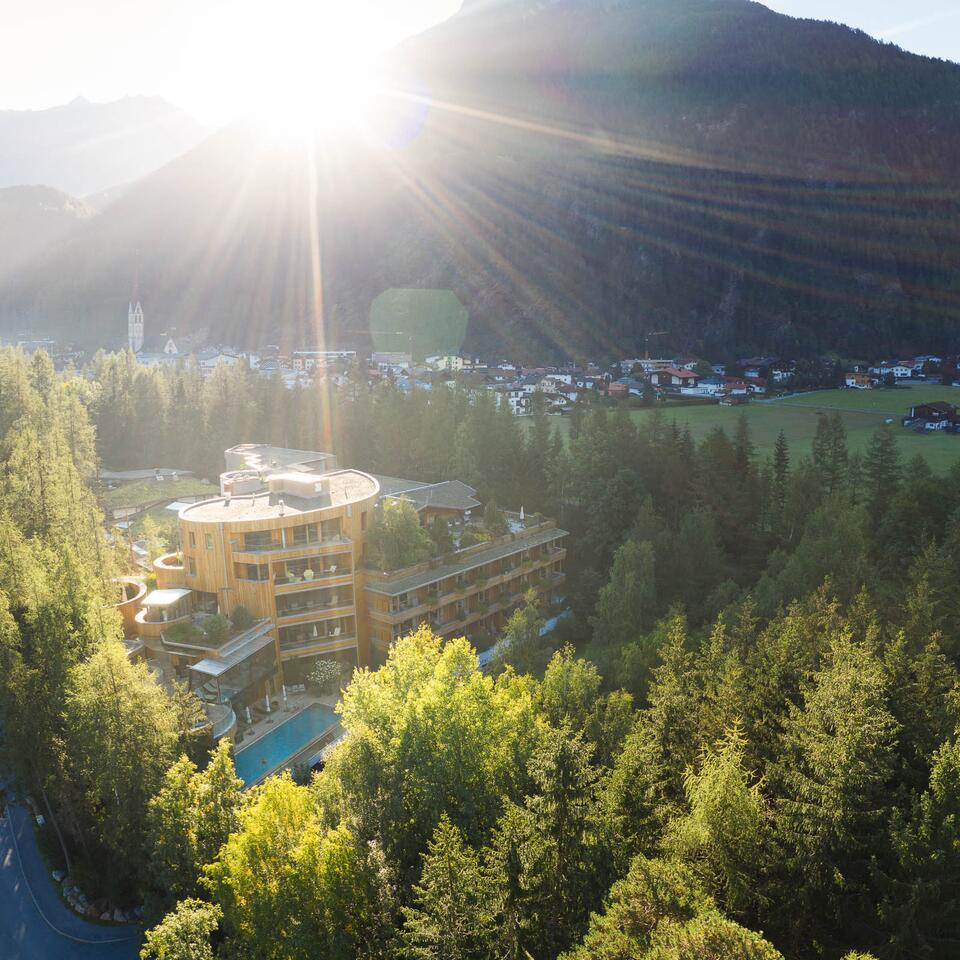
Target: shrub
472,536
301,774
494,520
184,633
440,534
217,629
241,618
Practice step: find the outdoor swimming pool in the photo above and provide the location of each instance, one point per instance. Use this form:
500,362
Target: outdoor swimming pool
283,742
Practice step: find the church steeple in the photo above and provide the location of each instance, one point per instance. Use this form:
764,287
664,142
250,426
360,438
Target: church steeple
135,318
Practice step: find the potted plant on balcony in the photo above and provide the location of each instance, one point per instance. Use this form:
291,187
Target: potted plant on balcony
308,574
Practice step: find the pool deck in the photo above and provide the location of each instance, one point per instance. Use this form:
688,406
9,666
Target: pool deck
296,703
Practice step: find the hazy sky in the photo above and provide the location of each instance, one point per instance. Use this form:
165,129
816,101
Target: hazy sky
200,54
207,54
931,27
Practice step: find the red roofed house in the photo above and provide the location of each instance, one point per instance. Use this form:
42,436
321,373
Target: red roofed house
674,377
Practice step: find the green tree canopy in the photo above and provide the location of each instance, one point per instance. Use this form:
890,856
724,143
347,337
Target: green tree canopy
396,537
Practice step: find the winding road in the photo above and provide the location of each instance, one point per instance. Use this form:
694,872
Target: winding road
35,924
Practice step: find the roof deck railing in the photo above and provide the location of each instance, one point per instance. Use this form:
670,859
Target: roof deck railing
463,554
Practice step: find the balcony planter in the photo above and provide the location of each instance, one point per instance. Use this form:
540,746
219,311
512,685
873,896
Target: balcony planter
308,574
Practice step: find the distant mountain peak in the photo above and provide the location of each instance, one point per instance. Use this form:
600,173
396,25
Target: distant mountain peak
83,147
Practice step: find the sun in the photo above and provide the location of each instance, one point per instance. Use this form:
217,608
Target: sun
328,98
294,67
316,75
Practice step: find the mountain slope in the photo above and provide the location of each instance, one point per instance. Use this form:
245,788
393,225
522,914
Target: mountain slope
83,148
585,172
36,219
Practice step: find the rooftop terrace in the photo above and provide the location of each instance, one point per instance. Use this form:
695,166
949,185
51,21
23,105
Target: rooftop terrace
263,456
337,489
433,571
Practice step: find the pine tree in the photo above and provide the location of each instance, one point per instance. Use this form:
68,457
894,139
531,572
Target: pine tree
839,755
921,910
724,833
626,604
563,855
450,918
882,471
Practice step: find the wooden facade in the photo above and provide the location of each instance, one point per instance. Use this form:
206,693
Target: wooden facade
301,568
293,553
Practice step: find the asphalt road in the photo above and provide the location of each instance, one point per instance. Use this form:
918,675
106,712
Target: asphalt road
35,924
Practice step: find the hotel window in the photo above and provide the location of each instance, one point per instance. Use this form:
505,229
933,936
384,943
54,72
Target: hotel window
208,540
193,539
191,566
330,529
363,520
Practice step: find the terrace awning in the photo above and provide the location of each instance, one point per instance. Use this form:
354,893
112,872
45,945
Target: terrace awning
215,667
165,598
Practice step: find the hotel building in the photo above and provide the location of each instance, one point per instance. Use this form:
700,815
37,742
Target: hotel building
287,541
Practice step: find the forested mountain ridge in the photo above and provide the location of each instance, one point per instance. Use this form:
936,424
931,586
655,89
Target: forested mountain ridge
35,219
585,173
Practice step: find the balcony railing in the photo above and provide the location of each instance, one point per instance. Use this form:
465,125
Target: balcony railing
222,719
277,546
286,646
327,565
143,617
342,602
473,558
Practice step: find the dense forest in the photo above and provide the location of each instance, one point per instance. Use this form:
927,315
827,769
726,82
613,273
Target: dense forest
743,743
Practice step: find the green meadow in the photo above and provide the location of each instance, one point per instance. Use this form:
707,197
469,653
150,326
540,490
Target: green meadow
862,411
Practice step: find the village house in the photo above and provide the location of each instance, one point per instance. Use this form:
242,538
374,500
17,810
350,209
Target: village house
735,387
450,363
936,415
674,378
901,369
514,396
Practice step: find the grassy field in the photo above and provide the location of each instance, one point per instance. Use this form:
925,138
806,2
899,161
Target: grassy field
139,493
862,411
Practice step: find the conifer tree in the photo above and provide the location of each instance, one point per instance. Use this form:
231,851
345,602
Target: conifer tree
882,472
626,604
450,917
839,754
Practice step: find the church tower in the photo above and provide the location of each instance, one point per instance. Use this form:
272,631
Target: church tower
135,322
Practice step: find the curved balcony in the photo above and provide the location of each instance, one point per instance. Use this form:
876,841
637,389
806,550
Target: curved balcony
222,719
132,591
169,570
153,629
